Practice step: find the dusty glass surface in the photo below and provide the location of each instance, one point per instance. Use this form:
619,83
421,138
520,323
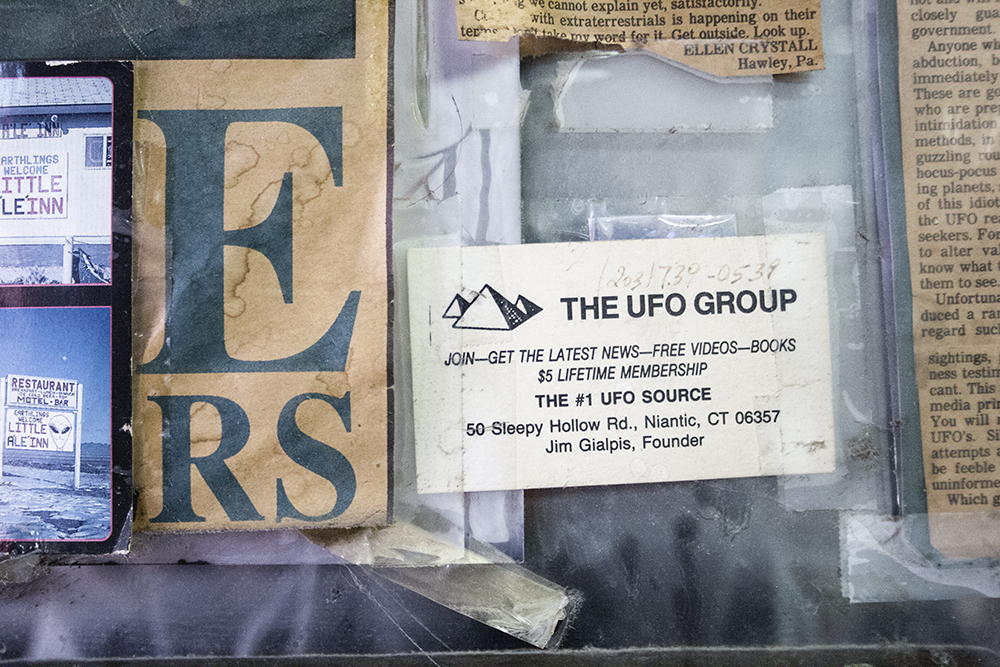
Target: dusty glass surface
731,564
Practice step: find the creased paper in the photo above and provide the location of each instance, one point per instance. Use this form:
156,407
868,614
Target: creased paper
261,290
737,38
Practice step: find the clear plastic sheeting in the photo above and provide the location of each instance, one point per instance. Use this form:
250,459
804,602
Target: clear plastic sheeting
638,92
278,547
881,564
20,569
398,545
478,582
862,480
505,597
786,176
197,611
613,228
457,106
456,182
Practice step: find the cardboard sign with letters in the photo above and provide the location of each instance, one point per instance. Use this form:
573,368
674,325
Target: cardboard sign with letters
262,386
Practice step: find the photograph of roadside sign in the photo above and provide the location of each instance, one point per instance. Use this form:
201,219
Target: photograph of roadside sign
55,462
56,164
65,307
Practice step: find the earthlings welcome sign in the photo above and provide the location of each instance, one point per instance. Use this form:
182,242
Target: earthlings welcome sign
42,415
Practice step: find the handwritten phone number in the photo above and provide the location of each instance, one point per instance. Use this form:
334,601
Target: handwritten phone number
673,274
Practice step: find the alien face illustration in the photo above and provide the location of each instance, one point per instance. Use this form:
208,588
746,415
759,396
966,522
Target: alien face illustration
61,428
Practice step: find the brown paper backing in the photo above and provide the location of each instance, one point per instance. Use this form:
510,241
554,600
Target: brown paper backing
340,241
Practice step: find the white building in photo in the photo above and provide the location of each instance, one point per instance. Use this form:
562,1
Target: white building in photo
55,180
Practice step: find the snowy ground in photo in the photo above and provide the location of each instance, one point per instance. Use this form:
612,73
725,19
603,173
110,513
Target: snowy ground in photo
40,503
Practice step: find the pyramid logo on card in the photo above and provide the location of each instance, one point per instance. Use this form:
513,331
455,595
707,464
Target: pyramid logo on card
489,310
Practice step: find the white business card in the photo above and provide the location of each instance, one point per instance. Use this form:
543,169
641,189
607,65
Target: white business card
620,362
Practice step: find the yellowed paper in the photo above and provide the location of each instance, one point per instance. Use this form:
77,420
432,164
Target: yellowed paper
721,37
620,362
949,110
261,290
